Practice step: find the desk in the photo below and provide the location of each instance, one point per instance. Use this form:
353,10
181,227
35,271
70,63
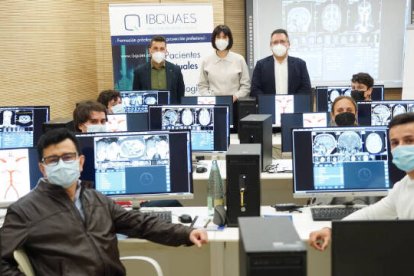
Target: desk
221,256
276,139
275,187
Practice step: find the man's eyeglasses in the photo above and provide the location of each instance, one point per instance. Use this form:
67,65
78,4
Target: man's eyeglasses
53,160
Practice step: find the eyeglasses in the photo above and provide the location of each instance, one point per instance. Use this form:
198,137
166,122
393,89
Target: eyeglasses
53,160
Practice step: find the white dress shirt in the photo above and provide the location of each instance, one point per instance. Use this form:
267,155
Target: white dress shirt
281,76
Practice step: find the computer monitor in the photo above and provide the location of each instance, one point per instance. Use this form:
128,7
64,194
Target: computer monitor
139,100
127,122
21,126
209,124
325,95
220,100
297,120
279,104
380,113
19,173
361,248
139,165
342,161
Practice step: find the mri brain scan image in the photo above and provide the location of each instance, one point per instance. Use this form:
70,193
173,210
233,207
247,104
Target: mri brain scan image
24,119
331,17
374,143
324,144
398,109
349,143
150,100
380,115
299,19
204,117
187,117
170,117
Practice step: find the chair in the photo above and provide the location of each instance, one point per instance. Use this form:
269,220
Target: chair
153,262
23,261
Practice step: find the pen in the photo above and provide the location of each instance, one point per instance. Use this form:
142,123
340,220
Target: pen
207,223
194,221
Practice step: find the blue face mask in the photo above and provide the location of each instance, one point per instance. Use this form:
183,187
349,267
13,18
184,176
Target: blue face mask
63,173
96,128
403,157
118,109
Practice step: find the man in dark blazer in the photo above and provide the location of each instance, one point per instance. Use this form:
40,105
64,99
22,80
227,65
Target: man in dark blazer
159,74
291,75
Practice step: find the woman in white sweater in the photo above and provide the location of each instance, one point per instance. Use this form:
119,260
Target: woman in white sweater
224,72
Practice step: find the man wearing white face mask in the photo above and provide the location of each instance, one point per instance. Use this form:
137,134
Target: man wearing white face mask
224,72
67,229
159,74
399,203
280,73
90,116
112,100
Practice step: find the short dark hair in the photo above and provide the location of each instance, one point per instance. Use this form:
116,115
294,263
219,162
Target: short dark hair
226,31
53,137
280,31
83,110
401,119
363,78
157,38
108,95
342,97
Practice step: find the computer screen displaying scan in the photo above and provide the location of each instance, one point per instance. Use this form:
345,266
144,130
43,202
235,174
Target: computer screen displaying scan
298,120
19,173
127,122
377,247
142,165
138,101
342,161
220,100
325,95
209,124
380,113
279,104
21,126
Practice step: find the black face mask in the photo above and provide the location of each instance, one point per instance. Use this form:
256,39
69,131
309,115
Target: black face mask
345,119
357,95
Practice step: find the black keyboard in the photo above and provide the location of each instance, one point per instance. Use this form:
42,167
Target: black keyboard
332,213
165,215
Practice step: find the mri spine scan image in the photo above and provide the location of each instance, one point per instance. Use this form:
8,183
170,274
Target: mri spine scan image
187,118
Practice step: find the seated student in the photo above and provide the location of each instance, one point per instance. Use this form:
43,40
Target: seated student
90,116
112,100
66,229
399,203
362,84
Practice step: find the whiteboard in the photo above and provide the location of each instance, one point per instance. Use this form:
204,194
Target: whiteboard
408,83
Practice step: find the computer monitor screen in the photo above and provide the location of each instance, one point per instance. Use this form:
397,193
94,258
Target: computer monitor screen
127,122
209,124
376,247
220,100
142,165
279,104
342,161
380,113
138,101
325,95
297,120
21,126
19,173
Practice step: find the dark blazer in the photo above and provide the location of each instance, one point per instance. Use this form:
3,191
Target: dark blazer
175,81
263,80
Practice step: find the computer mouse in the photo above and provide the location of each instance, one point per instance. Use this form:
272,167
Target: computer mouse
184,218
201,169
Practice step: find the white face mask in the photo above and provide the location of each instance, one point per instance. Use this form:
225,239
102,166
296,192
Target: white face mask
158,57
63,174
96,128
118,108
222,44
279,50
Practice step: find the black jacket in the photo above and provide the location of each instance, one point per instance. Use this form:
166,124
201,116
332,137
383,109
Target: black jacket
263,79
175,81
48,226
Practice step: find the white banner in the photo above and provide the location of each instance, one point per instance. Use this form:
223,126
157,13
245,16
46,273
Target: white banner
187,29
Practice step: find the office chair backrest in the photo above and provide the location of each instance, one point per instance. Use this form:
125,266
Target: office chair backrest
151,261
23,261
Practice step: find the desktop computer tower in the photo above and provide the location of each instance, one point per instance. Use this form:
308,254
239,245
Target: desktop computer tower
270,246
257,128
242,108
243,181
58,123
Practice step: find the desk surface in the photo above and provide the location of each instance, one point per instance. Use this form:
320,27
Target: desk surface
276,139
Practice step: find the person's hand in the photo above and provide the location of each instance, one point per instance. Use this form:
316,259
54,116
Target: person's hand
320,239
234,98
198,237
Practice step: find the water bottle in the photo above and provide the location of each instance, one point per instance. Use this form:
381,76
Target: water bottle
215,189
